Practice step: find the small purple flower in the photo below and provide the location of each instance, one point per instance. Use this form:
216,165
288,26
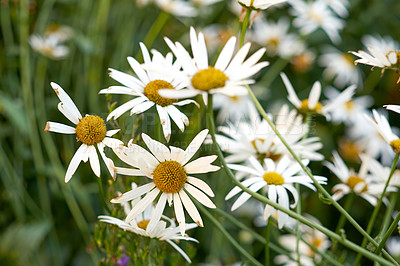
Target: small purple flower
123,261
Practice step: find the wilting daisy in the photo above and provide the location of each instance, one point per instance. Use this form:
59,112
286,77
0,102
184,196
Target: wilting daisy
307,255
340,66
145,90
228,76
90,130
367,185
352,111
382,52
382,125
276,179
141,226
277,40
170,171
312,104
256,138
260,4
316,14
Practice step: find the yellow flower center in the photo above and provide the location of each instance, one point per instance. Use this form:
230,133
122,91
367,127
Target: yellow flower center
143,224
353,180
302,63
208,79
395,144
91,130
349,105
273,178
151,92
304,107
349,150
349,59
169,176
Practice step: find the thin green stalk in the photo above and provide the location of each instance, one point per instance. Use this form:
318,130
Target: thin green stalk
245,23
347,205
377,207
298,211
102,196
267,236
155,29
227,235
392,227
388,213
332,235
320,188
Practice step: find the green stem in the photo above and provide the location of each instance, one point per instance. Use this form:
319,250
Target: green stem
267,236
155,29
392,227
244,26
388,213
102,196
307,171
221,228
332,235
377,207
347,205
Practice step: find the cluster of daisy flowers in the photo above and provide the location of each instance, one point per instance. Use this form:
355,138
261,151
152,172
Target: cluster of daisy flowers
254,149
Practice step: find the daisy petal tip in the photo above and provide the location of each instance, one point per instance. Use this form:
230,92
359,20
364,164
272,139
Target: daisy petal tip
199,223
47,127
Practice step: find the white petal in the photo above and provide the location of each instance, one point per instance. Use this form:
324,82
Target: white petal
178,94
180,215
177,116
201,185
191,209
73,165
59,128
314,95
226,54
165,122
160,151
117,112
292,94
141,107
134,193
202,165
200,196
157,212
194,146
94,160
127,80
112,132
177,154
67,106
109,163
142,204
175,246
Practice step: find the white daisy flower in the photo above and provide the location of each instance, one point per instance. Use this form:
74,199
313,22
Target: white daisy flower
233,109
382,52
339,7
340,66
312,104
169,169
307,256
382,125
277,40
256,138
316,14
48,46
228,76
259,4
146,87
90,130
381,172
393,247
367,185
352,111
276,179
141,226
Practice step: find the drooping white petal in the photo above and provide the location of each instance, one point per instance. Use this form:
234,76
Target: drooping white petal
134,193
200,196
80,154
190,208
157,212
59,128
201,185
180,215
94,160
67,106
165,122
142,204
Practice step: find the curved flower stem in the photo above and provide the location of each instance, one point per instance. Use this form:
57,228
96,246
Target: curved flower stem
267,243
320,188
392,227
329,233
245,23
226,234
377,207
